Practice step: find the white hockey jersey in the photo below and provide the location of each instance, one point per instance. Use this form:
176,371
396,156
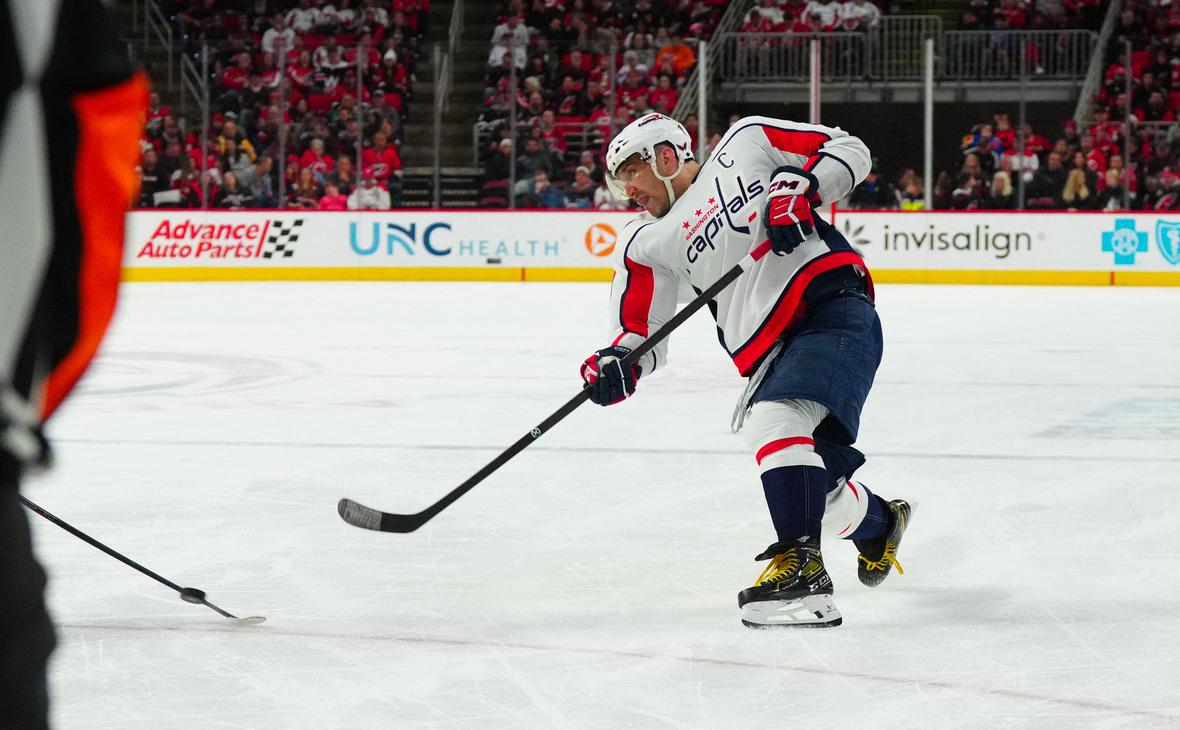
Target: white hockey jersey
716,222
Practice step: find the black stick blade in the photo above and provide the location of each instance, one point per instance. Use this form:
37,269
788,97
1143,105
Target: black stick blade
358,515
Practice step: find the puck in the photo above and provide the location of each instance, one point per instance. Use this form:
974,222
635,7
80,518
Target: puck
192,595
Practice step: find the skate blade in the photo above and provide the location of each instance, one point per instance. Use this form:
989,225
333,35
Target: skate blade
817,611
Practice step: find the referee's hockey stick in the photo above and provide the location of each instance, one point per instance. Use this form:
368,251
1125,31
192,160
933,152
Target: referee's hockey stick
189,595
355,513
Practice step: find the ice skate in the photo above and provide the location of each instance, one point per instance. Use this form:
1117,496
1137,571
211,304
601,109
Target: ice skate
794,590
879,555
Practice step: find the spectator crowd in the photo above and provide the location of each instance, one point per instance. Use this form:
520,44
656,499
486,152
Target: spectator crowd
299,86
582,70
296,86
1127,157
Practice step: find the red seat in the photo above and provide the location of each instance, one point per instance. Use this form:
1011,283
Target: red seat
1174,101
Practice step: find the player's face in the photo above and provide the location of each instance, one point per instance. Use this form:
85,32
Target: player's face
643,187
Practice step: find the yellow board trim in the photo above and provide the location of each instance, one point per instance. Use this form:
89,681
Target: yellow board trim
367,273
989,276
1147,278
568,274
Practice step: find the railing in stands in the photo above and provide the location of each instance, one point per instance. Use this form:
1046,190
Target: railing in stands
444,62
964,55
787,57
1085,109
193,87
441,88
996,56
155,23
455,31
894,46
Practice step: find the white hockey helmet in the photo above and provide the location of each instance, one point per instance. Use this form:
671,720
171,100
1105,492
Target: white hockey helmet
640,137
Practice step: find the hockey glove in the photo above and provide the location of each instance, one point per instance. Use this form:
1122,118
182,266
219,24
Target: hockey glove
23,445
606,378
789,201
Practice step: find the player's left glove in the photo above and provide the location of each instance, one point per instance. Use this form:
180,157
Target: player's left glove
789,200
609,382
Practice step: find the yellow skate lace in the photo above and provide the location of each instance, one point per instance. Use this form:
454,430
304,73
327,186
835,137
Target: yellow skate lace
780,565
889,557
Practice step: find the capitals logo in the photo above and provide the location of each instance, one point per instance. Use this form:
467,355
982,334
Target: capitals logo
700,232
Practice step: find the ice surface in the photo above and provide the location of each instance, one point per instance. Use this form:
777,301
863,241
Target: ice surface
592,582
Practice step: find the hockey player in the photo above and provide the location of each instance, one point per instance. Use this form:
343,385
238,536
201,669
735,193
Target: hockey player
72,109
800,325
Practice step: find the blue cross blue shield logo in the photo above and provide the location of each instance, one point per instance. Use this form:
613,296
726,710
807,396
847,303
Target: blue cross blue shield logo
1124,242
1167,237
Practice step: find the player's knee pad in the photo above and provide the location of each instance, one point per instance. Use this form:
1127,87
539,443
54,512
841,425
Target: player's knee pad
780,433
846,508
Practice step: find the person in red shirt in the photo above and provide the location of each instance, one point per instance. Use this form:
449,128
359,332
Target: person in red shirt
1038,143
386,164
234,77
567,96
664,96
1003,131
806,24
1095,160
332,199
600,74
550,132
301,73
315,159
392,76
1126,175
632,88
156,113
370,56
1014,13
759,23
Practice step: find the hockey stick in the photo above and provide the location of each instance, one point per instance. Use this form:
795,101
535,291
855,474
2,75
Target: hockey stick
368,518
191,595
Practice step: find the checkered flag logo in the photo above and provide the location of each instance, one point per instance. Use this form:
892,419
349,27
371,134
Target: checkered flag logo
282,239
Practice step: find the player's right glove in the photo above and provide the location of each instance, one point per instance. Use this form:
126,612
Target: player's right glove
606,378
789,199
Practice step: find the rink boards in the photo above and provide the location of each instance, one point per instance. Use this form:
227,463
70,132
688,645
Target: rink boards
1098,249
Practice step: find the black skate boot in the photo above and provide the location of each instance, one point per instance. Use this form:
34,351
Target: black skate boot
877,556
794,590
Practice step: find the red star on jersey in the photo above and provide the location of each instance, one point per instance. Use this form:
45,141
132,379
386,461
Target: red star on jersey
698,211
685,225
712,200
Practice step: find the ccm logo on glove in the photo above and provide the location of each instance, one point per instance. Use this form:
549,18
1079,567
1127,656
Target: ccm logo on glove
789,200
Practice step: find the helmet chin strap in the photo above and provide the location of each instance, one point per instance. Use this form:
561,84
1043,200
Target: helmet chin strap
668,179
